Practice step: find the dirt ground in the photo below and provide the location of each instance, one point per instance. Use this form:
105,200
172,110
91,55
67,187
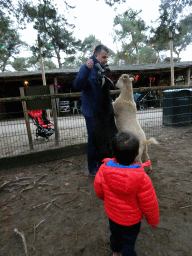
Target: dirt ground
55,206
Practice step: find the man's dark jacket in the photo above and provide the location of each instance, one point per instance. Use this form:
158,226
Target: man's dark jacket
86,81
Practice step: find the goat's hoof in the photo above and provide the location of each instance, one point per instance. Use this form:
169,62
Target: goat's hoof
149,169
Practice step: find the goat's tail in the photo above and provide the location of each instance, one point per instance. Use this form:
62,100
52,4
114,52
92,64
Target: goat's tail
151,141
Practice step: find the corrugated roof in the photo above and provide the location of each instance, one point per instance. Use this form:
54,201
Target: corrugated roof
154,66
130,68
38,72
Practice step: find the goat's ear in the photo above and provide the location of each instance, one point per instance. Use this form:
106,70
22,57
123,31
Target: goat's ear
132,78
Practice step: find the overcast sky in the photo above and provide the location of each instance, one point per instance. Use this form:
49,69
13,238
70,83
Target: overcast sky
95,17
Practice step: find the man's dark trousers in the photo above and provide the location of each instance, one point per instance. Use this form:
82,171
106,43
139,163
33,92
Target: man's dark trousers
123,238
91,148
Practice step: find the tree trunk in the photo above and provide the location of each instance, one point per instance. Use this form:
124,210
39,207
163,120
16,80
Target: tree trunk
137,54
58,58
137,61
171,55
157,61
178,59
3,67
5,63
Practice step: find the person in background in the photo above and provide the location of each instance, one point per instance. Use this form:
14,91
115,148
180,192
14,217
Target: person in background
127,192
89,81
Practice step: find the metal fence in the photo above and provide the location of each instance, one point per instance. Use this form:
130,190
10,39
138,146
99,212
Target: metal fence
168,112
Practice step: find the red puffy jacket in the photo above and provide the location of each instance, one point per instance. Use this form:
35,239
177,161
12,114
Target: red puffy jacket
127,192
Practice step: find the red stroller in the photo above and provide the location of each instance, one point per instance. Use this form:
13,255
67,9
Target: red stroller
43,125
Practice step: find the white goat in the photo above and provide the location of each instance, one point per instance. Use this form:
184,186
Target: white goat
125,116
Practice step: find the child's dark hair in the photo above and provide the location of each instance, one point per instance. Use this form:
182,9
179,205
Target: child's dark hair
125,146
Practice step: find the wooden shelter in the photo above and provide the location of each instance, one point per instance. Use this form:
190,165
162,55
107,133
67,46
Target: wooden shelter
147,75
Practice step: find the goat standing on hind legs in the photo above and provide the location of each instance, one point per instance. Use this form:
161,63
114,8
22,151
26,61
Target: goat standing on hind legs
125,112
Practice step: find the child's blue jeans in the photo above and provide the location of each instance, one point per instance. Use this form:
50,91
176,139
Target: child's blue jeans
123,238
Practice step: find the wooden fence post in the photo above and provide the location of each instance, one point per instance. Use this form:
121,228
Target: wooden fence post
188,77
57,99
26,116
54,116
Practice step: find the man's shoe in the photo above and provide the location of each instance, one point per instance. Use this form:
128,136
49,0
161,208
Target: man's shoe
93,173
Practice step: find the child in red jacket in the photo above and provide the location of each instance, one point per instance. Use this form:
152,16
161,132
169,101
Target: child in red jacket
127,192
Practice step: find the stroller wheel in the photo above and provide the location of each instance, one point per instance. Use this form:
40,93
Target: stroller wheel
141,107
47,139
36,137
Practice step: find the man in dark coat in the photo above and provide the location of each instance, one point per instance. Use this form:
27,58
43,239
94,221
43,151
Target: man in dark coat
96,107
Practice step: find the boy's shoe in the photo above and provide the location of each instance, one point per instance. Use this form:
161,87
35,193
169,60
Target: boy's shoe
117,254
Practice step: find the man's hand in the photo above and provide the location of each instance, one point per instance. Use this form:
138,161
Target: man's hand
90,63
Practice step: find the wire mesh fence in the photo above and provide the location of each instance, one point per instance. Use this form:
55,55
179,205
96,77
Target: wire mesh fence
14,138
162,117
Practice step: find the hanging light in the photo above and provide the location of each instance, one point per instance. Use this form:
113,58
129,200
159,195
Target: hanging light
26,83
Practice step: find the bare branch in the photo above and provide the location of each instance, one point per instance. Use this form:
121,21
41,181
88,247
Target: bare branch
21,234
